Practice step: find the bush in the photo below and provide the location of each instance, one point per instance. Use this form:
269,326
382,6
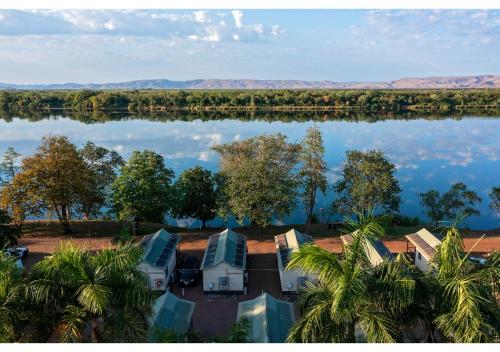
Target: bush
123,236
403,220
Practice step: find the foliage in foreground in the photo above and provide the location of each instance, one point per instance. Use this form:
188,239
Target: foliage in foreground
102,294
11,290
456,300
351,295
465,291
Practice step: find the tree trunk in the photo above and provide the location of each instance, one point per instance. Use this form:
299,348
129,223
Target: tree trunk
93,331
310,209
65,219
352,332
203,224
135,228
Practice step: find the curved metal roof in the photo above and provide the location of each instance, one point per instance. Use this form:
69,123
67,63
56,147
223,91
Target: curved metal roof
159,248
229,247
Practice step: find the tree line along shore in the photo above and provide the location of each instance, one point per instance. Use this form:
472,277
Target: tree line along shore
259,179
136,101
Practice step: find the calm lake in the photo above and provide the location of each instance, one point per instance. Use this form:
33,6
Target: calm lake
429,154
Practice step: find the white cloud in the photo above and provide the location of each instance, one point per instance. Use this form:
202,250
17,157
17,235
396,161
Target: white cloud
201,16
238,17
437,29
109,25
198,25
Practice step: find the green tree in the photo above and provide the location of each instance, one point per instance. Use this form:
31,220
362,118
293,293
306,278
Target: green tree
53,176
442,207
261,182
8,237
313,170
101,166
103,293
463,293
19,203
11,299
143,190
495,199
196,195
367,182
351,295
9,166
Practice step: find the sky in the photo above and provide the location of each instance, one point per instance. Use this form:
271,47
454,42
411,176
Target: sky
56,46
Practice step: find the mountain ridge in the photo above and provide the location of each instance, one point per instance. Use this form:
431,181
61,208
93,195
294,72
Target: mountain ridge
438,82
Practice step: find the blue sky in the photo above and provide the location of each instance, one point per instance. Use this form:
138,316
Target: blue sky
49,46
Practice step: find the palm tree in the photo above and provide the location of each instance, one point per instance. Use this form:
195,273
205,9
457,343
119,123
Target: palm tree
11,288
352,299
464,291
104,293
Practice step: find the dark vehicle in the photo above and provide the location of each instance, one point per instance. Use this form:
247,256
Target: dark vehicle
190,272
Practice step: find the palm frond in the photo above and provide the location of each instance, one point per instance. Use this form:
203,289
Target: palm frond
73,324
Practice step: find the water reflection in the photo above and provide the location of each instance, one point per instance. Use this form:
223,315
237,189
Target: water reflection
428,153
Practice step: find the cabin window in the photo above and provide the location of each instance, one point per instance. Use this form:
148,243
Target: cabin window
223,283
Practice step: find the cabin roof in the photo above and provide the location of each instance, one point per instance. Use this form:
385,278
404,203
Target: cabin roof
287,243
425,242
159,247
172,313
270,318
377,251
228,247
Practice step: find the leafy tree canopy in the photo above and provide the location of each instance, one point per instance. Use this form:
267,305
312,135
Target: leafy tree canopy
313,170
495,199
261,182
196,195
143,190
104,293
367,182
444,207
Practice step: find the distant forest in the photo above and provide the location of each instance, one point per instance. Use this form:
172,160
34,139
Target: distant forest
148,101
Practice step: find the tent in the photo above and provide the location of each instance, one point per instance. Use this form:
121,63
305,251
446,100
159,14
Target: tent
270,319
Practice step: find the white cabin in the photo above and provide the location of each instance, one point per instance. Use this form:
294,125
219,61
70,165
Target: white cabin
424,243
286,244
159,258
224,263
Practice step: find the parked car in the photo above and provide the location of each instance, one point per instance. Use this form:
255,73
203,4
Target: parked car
189,274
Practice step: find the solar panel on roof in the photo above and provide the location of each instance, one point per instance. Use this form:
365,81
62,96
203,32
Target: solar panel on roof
209,259
381,249
160,262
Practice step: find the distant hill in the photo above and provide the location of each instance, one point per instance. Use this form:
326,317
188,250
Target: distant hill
482,81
